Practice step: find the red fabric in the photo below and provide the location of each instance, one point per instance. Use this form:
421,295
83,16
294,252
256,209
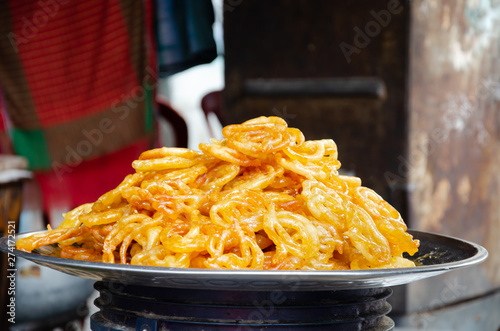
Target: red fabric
96,43
3,126
149,8
81,63
89,180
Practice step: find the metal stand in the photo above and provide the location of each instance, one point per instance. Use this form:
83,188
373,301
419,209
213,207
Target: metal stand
133,307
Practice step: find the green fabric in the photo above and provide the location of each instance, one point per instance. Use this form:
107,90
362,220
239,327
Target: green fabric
148,120
32,145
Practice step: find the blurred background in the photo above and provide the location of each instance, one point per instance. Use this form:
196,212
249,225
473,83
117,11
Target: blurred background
409,91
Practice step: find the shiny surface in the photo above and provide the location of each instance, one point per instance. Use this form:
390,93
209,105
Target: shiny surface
437,254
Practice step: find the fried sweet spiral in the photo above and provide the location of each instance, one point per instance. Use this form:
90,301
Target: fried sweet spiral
263,197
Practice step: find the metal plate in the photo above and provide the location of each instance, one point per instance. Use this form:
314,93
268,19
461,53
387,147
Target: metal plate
437,254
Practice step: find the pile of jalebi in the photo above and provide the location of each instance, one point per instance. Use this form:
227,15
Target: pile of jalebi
261,198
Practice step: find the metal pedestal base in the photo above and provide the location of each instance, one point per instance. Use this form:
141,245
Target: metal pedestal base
131,307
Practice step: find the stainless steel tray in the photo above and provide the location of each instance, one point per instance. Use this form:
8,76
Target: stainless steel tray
437,254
